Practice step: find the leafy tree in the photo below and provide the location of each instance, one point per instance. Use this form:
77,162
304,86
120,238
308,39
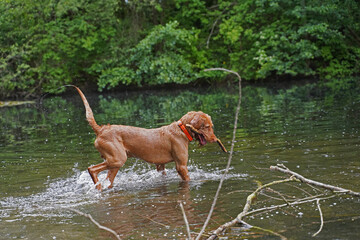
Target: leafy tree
166,55
45,44
307,38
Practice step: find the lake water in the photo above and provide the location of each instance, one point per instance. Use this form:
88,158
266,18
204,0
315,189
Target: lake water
314,130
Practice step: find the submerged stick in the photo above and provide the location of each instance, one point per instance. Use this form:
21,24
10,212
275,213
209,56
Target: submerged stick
236,220
95,222
298,202
246,208
283,169
294,177
253,195
270,232
321,218
186,221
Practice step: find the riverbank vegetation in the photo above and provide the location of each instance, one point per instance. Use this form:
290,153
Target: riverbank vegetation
48,43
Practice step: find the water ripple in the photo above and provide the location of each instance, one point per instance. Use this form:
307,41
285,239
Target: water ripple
78,190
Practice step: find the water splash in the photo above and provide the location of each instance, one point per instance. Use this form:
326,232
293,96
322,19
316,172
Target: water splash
78,190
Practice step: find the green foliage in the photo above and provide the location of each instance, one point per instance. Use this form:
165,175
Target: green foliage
45,44
160,57
166,55
50,43
291,38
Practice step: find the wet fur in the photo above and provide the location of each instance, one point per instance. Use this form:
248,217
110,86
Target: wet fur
159,146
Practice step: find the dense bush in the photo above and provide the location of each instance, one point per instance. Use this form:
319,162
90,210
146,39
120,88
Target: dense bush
166,55
45,44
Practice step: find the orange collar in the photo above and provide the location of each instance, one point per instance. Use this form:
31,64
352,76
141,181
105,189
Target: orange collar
182,127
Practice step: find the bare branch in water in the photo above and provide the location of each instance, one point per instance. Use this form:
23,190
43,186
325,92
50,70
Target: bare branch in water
294,177
321,218
283,169
186,221
95,222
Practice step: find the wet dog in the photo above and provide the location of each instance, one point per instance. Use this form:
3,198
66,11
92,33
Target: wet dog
158,146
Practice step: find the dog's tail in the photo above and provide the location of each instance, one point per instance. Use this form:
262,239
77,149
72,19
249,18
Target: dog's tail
89,114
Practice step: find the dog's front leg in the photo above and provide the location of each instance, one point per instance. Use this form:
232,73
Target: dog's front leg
183,171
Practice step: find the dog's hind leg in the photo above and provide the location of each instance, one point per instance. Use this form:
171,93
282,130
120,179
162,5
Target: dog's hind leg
161,168
111,175
95,170
114,155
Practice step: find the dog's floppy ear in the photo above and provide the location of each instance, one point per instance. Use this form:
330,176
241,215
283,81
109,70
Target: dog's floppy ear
197,122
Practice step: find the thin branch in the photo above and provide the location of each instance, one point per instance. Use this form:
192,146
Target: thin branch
282,196
204,234
211,32
229,71
246,208
312,182
186,221
271,232
161,224
231,150
349,218
95,222
264,194
271,197
294,177
314,188
303,190
301,201
220,229
321,218
252,196
215,22
237,220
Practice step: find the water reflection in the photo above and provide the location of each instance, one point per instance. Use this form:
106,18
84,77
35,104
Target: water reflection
44,154
156,210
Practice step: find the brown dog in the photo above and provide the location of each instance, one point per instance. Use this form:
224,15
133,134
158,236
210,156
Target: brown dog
159,146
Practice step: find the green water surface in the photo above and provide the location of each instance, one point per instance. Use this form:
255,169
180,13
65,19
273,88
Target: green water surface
314,130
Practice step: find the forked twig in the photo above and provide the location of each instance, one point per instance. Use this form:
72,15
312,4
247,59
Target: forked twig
243,214
294,176
246,208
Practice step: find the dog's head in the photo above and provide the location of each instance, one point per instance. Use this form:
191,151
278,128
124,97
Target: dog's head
201,127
